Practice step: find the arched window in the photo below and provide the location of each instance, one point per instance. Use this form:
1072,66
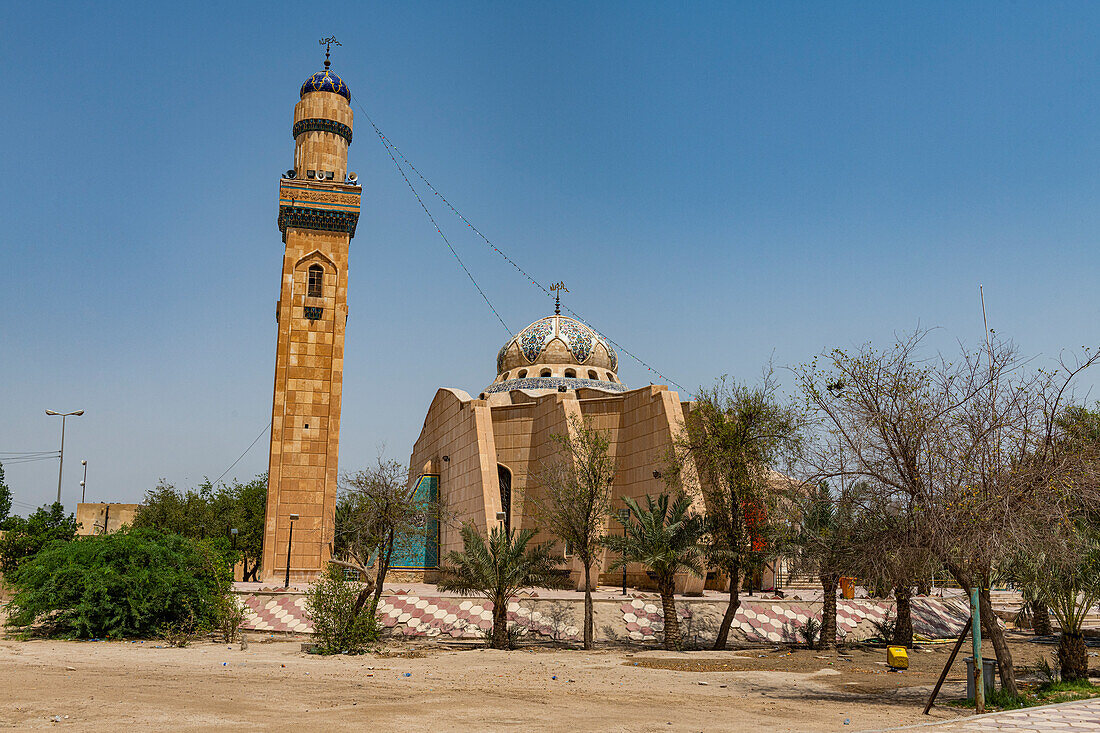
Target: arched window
521,374
315,286
505,478
571,373
544,373
592,374
505,377
610,378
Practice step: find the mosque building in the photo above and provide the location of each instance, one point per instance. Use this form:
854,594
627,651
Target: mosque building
480,455
483,454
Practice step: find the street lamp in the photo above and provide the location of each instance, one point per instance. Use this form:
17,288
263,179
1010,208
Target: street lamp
84,481
624,519
61,464
289,540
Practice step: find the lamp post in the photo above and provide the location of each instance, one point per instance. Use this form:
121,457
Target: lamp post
233,537
289,540
61,464
83,481
624,518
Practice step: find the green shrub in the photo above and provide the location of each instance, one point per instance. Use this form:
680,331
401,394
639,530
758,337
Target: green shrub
130,583
24,537
810,632
342,622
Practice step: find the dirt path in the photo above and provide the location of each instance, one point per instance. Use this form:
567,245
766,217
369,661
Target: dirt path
273,686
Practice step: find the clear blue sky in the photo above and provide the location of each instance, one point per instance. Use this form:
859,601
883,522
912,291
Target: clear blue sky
715,186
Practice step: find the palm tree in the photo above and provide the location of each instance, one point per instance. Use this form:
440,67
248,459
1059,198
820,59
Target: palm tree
499,568
825,543
664,536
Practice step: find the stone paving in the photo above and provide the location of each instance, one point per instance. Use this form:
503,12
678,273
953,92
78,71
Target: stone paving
1083,715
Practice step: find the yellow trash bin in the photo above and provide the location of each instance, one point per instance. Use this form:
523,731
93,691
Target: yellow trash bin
897,657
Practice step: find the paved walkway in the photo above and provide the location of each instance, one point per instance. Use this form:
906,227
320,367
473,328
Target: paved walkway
1068,716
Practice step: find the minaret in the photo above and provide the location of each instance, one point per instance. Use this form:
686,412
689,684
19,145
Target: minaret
318,210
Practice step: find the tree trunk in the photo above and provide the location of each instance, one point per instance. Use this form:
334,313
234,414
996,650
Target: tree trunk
500,624
672,621
990,629
1073,657
734,572
996,635
383,568
828,611
903,628
924,587
1040,618
588,610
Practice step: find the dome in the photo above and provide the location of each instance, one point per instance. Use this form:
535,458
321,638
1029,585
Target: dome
326,81
557,351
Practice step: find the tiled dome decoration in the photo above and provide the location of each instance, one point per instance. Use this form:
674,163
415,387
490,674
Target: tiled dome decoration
326,81
578,337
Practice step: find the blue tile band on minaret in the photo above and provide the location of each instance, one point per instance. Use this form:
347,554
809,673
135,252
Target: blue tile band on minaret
319,124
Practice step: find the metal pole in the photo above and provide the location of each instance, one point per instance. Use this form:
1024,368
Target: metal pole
289,540
61,463
84,482
979,664
624,517
947,667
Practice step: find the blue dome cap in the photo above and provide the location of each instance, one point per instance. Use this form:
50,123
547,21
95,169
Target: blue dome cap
326,81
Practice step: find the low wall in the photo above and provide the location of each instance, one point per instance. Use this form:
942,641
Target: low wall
637,618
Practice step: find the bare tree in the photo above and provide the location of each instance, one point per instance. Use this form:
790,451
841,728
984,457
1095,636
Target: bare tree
576,499
378,514
736,435
969,442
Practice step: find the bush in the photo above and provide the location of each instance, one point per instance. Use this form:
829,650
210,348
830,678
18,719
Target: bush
131,583
24,537
342,622
230,616
810,632
885,628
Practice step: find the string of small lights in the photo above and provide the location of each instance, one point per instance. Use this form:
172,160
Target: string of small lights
390,152
391,149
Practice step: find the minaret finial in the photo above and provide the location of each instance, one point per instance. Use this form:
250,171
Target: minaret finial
328,43
558,287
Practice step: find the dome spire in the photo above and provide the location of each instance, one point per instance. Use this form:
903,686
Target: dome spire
558,287
328,43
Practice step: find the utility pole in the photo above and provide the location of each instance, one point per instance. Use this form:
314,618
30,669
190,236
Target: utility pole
83,481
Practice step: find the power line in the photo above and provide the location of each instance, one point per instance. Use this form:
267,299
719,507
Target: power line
433,221
234,463
391,148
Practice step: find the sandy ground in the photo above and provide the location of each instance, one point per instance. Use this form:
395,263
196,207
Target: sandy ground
271,685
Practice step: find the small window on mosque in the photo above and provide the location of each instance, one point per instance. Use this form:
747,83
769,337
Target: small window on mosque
571,373
544,373
610,378
504,377
316,281
521,374
592,374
